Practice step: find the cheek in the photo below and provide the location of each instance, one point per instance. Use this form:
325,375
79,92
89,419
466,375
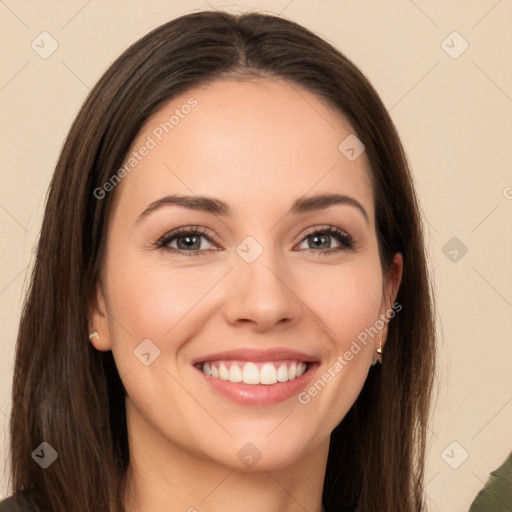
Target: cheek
347,299
150,299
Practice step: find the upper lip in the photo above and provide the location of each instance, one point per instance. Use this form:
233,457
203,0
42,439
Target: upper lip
257,355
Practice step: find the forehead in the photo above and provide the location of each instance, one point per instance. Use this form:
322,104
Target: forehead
257,140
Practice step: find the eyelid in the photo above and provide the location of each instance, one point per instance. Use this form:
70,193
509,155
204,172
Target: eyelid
323,228
174,233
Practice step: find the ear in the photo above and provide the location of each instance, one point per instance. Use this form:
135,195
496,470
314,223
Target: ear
98,322
392,281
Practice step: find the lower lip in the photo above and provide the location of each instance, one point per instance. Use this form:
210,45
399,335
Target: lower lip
260,394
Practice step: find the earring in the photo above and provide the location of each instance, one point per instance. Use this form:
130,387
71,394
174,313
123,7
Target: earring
379,352
378,358
93,335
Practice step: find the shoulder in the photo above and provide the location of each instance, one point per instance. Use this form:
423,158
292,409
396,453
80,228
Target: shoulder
20,502
12,505
497,491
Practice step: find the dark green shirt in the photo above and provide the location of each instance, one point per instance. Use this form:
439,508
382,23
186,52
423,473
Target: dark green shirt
20,503
496,496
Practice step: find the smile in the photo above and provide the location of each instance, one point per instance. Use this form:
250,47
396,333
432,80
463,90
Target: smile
254,373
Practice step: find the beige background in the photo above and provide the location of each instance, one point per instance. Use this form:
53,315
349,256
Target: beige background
455,119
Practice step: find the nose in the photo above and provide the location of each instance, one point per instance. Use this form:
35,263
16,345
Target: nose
261,294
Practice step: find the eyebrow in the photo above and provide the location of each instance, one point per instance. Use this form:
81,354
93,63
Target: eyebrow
218,207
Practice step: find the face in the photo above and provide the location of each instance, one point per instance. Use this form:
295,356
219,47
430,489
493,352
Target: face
262,283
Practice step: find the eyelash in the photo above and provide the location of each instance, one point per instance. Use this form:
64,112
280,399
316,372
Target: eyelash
345,240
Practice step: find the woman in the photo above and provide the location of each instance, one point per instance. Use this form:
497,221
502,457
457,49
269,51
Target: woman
230,304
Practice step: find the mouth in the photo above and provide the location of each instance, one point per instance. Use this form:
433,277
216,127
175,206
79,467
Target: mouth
254,373
251,377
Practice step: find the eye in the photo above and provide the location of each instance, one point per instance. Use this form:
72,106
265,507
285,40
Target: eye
320,238
187,241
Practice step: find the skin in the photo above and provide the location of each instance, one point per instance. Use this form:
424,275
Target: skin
257,145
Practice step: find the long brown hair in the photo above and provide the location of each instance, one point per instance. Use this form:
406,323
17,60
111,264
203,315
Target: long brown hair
70,395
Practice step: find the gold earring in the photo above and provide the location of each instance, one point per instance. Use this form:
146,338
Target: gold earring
378,358
379,351
93,335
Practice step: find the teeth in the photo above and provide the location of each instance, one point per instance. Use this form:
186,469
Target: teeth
255,373
223,372
268,374
250,374
235,373
282,373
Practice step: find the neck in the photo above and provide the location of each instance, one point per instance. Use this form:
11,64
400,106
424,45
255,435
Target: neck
163,477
